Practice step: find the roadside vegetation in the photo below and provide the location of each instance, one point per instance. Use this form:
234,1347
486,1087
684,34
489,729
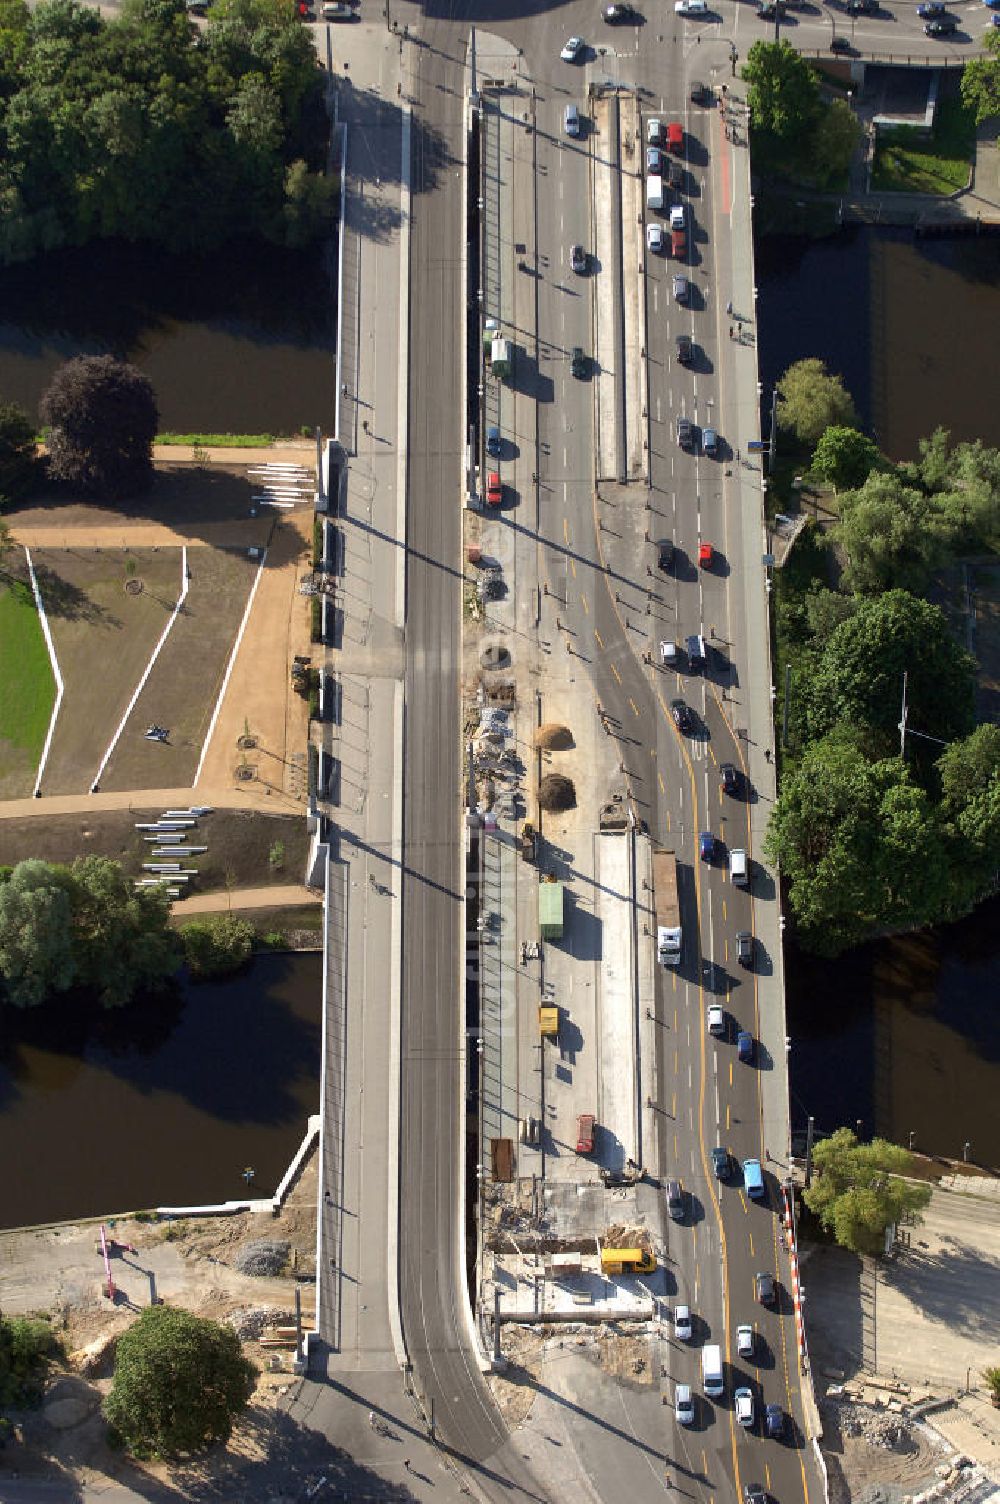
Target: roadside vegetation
217,440
857,1191
873,838
27,688
148,128
981,79
908,160
799,131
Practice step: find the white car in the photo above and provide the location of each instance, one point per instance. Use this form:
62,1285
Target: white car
682,1323
683,1405
655,133
716,1020
678,216
656,238
668,654
744,1341
572,50
744,1407
691,7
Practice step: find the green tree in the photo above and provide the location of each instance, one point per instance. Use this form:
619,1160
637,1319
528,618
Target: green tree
180,1382
102,419
858,845
845,457
36,943
857,1192
216,946
969,771
17,451
308,209
26,1344
784,92
981,80
825,610
858,678
810,400
835,137
891,534
123,940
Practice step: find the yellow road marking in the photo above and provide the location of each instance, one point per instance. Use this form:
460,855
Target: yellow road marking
565,530
751,1245
633,704
659,779
583,600
727,1117
572,565
617,675
598,638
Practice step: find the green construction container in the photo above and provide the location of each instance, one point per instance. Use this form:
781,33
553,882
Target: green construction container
550,910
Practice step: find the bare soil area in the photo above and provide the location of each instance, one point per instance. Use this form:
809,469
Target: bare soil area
59,1272
241,844
863,1453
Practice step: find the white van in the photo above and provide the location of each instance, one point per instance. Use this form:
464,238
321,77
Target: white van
654,192
738,872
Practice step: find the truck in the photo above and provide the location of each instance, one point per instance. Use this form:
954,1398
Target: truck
550,910
502,358
711,1371
627,1261
669,937
528,839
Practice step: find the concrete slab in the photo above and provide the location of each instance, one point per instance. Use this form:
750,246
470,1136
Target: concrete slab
616,1007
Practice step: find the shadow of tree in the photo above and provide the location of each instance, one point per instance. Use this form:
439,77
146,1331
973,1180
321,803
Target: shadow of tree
62,598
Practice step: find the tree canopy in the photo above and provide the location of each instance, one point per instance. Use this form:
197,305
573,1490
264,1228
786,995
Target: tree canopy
17,451
180,1382
890,534
811,400
844,456
857,1192
102,419
783,96
858,675
218,945
981,79
84,925
148,128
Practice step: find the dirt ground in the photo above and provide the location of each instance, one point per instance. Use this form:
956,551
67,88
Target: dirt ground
240,844
58,1272
856,1465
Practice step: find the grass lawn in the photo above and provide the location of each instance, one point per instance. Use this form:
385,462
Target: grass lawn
906,161
27,688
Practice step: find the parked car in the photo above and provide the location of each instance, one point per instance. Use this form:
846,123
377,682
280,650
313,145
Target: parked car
682,1323
691,7
654,159
656,238
337,10
744,1341
840,44
618,15
932,9
944,28
493,440
494,489
578,258
655,132
685,349
861,7
743,1400
585,1133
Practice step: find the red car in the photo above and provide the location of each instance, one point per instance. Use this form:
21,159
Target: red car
705,555
585,1133
675,137
494,489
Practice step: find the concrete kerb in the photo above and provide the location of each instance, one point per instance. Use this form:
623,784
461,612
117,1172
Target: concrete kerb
399,720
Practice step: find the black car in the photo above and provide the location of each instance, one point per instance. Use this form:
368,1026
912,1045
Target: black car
685,433
578,361
720,1164
764,1286
840,44
578,258
932,10
617,15
744,948
685,349
944,28
753,1494
681,715
664,554
861,7
730,779
698,92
